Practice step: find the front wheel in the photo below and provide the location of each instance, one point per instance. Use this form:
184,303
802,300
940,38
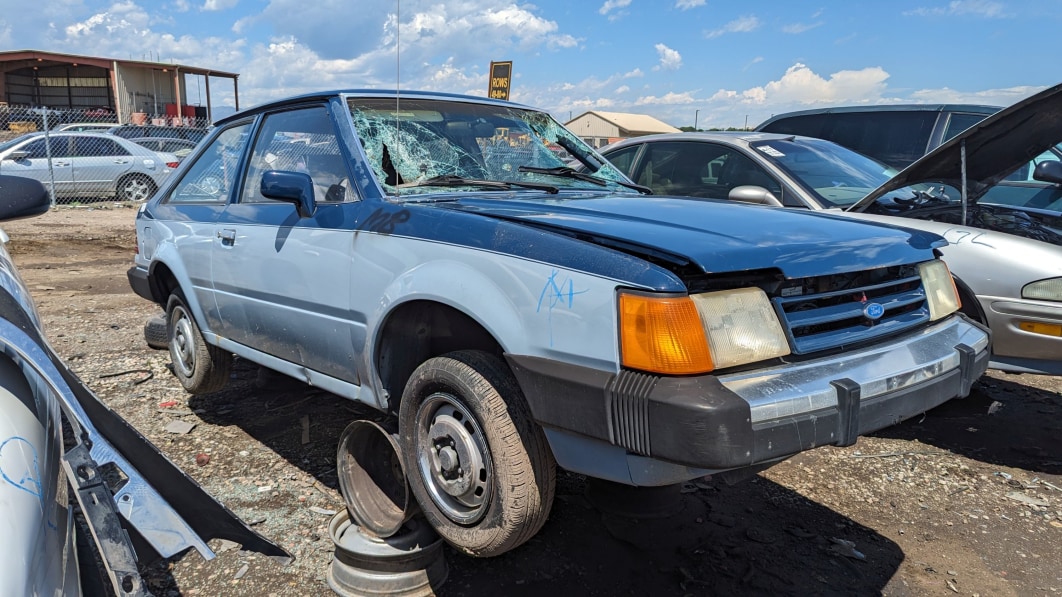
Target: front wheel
476,461
200,367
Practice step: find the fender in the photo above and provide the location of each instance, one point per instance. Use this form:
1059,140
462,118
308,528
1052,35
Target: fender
537,309
203,308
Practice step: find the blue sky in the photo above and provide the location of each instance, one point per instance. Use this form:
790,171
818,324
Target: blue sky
723,63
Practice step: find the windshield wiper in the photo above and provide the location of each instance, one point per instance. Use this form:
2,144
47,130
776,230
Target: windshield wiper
451,180
567,172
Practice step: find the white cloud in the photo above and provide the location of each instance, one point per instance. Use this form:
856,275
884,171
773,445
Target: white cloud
979,8
611,5
989,97
740,25
800,85
667,99
688,4
634,74
755,60
798,28
622,89
215,5
669,59
561,41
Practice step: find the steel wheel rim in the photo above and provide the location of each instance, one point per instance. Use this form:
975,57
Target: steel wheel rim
183,343
453,458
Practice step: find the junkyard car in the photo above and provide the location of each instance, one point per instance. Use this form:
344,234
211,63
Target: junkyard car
431,256
900,134
86,164
1007,260
107,470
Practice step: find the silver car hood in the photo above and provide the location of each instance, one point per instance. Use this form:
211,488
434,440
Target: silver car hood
995,147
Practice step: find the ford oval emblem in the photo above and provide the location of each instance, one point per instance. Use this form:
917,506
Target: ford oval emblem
873,311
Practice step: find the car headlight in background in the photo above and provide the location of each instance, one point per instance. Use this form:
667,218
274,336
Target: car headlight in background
696,334
1044,290
941,295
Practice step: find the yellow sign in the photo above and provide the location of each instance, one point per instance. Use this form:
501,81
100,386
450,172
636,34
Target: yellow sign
500,75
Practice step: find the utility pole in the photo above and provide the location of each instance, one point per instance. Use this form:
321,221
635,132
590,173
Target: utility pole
746,122
696,113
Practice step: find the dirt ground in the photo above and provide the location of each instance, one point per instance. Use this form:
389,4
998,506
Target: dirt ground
966,499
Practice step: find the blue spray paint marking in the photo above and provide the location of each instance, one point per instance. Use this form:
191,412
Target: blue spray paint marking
30,481
560,294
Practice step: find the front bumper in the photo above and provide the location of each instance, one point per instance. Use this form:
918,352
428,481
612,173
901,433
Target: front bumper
723,422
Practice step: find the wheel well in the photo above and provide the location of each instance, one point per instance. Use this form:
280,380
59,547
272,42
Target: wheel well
418,331
970,306
163,283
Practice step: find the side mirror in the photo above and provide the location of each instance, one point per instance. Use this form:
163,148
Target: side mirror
17,155
22,197
291,187
753,194
1049,171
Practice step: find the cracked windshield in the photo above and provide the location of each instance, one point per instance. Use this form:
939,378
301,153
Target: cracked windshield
422,147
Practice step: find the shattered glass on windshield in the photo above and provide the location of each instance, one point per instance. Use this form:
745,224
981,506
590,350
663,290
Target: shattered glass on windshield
418,146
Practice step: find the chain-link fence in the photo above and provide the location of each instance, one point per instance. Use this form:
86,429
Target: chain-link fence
86,155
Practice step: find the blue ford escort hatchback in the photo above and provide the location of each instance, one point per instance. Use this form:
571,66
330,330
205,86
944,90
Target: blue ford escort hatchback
431,256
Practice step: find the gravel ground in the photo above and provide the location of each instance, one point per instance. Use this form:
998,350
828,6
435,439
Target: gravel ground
966,499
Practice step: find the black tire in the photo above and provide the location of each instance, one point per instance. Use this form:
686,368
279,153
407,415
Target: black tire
157,332
200,367
478,464
135,187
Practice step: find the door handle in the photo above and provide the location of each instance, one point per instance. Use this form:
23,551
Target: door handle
227,236
121,161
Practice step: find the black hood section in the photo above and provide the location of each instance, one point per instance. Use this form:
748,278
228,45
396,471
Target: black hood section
995,147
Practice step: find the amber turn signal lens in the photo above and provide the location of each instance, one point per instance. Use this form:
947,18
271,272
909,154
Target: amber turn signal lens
1044,329
662,335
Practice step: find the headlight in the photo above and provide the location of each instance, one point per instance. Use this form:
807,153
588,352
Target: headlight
940,289
691,335
742,326
1044,290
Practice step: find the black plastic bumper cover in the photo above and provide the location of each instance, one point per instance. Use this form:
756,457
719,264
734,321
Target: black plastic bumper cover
138,281
698,422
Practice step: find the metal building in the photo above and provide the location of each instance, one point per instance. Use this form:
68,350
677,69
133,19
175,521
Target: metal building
131,90
601,128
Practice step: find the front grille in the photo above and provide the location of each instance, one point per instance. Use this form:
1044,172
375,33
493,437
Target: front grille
821,320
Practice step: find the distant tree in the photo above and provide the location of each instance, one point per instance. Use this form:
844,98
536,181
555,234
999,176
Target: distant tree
688,129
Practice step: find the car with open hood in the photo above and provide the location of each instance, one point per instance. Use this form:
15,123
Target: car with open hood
1006,259
897,135
432,256
82,509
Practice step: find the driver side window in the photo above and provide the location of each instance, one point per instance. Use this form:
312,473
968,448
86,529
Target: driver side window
301,140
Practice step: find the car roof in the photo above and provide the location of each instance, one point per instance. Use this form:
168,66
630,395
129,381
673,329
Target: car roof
994,147
323,95
745,137
975,108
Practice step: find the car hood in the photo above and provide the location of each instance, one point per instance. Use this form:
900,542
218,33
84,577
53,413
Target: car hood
995,147
718,236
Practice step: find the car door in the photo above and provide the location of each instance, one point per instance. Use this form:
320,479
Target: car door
37,164
190,210
282,283
98,163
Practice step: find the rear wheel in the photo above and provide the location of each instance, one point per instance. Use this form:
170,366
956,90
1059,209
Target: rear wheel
136,187
200,367
477,462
